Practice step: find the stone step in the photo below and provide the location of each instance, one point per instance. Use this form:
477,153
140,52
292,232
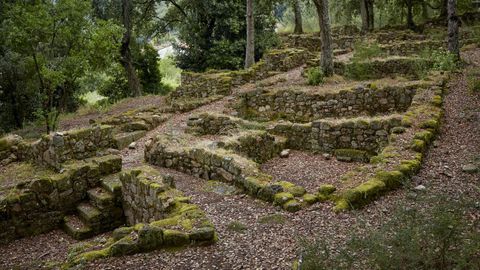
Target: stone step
89,214
122,140
113,185
101,198
76,228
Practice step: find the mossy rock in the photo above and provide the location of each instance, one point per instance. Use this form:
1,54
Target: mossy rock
121,232
430,124
174,238
92,255
392,179
289,187
341,205
124,246
205,234
364,193
292,206
418,146
425,136
252,185
309,199
326,189
150,237
282,197
349,155
409,167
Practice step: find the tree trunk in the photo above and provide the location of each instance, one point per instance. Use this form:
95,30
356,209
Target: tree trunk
367,14
325,36
298,17
371,15
364,15
250,50
453,24
410,23
125,52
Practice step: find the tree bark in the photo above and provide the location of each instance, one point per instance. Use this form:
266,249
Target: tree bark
298,17
453,24
125,52
325,36
367,14
364,15
371,15
250,50
410,23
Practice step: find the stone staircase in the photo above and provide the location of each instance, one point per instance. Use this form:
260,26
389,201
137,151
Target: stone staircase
101,211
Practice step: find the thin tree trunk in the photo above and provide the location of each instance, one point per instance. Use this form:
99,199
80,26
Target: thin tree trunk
364,15
250,50
325,36
371,15
410,23
125,52
453,24
298,17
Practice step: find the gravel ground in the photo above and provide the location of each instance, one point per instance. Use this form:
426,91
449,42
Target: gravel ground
308,170
273,245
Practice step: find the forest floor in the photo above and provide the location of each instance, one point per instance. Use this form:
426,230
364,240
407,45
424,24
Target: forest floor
257,235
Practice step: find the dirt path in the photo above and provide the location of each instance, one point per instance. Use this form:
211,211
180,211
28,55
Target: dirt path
271,243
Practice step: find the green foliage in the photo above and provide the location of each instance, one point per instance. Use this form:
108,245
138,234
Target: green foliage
171,74
438,236
55,43
213,33
315,76
473,78
443,60
366,51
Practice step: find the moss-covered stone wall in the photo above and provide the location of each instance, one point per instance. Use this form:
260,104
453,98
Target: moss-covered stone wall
369,134
305,106
38,205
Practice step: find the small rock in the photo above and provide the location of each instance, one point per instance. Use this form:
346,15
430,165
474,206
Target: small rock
91,121
420,187
285,153
327,156
133,145
470,168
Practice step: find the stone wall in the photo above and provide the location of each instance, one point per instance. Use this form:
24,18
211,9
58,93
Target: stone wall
202,85
218,124
54,149
214,163
313,43
39,205
256,145
369,134
146,199
305,106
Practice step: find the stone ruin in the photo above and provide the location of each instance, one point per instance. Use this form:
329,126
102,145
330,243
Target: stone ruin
75,179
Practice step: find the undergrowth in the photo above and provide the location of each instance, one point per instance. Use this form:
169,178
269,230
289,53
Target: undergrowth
315,76
439,236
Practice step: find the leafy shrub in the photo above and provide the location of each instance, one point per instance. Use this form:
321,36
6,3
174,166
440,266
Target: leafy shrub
439,237
442,59
315,76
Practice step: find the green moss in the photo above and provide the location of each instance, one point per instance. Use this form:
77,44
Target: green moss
398,130
326,189
437,100
425,136
430,124
418,146
252,185
409,167
365,192
391,179
237,226
351,155
174,238
309,199
282,197
341,205
272,219
92,255
292,205
289,187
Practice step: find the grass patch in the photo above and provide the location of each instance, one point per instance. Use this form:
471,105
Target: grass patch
237,226
315,76
473,78
171,74
272,219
